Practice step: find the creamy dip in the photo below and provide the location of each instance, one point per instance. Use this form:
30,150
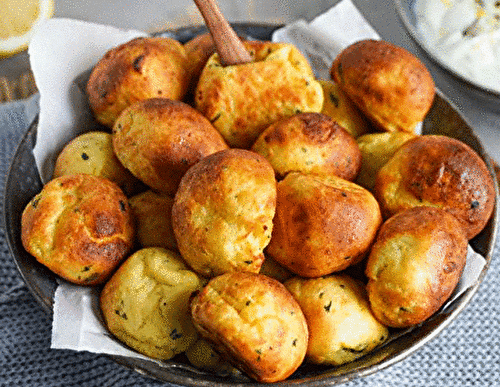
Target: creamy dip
464,35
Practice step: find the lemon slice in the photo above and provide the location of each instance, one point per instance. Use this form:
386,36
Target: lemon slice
18,21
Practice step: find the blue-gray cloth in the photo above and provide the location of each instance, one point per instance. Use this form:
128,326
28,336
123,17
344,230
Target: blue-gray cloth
466,353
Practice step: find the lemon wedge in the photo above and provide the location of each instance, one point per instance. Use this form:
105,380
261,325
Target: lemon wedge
18,21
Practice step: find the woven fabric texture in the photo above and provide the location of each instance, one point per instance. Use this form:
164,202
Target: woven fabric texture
465,354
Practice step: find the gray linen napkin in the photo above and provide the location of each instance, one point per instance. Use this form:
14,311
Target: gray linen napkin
466,354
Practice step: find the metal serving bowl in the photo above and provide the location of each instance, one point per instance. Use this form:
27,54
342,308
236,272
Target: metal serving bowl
489,96
23,183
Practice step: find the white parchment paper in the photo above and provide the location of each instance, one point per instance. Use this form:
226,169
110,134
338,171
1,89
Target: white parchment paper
62,51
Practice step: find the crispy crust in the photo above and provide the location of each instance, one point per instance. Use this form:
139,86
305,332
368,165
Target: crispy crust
223,211
438,171
309,143
388,83
159,139
80,227
241,101
414,265
323,224
255,322
142,68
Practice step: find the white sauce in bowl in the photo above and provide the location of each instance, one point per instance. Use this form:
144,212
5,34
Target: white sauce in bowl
464,35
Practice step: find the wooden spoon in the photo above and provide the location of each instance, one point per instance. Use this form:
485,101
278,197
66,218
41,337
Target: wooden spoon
228,45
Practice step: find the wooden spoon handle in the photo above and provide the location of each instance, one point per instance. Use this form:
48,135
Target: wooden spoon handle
229,46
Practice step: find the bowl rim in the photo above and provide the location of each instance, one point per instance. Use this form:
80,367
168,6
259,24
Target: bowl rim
415,35
42,294
172,372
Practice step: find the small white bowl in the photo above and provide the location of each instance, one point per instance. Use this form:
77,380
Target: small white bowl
489,96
